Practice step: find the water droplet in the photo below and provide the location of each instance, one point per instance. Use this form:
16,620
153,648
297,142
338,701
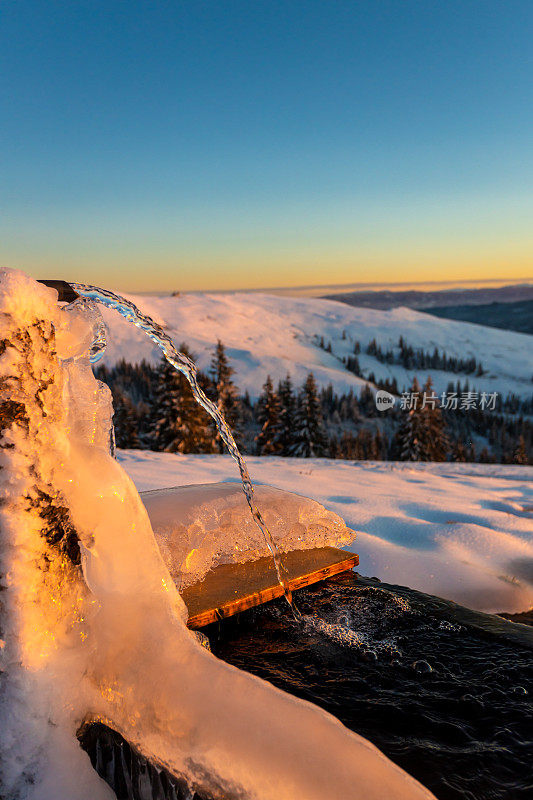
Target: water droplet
422,667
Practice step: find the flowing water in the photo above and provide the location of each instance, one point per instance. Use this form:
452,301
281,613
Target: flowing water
187,367
444,692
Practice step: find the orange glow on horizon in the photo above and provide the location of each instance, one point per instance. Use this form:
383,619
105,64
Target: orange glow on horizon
369,273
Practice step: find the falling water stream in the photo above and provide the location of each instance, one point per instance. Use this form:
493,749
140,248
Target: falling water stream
188,368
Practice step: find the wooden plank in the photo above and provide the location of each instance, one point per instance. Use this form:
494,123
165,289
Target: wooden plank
231,588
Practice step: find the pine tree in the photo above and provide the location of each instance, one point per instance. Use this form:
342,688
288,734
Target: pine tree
310,435
125,421
164,407
459,452
194,431
287,416
269,415
485,457
227,398
520,455
411,439
379,448
144,419
359,452
334,449
437,443
421,436
179,424
373,451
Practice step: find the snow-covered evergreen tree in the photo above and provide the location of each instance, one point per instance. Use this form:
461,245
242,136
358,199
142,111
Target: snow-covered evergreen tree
310,439
125,421
409,439
459,451
421,436
485,457
227,396
520,455
179,424
412,438
438,443
269,416
287,415
164,408
378,446
193,424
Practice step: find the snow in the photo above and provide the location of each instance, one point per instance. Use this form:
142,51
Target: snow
270,334
201,526
107,640
460,531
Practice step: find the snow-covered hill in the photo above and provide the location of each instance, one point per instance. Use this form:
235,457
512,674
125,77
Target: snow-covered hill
276,335
460,531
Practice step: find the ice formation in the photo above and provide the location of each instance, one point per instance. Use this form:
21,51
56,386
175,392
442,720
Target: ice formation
201,526
181,362
93,625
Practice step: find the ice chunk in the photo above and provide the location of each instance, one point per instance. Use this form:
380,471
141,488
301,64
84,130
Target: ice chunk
86,331
201,526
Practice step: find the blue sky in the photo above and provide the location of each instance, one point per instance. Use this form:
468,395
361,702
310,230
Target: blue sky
216,144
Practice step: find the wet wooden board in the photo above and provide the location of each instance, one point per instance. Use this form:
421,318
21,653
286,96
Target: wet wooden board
231,588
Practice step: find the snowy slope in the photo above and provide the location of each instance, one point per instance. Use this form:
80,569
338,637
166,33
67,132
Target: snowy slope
460,531
272,334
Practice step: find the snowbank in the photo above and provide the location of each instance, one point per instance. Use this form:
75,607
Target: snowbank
460,531
94,625
199,527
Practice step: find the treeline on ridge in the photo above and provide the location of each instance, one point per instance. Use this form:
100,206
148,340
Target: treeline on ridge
155,410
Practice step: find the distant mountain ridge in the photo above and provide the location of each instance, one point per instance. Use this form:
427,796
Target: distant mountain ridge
507,316
386,299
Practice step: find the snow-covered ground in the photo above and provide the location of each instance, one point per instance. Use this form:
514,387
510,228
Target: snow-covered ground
269,334
460,531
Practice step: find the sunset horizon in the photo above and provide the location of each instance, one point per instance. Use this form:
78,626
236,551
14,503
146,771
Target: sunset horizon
228,146
319,289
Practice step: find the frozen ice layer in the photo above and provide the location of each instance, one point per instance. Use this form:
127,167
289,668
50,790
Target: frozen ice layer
201,526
